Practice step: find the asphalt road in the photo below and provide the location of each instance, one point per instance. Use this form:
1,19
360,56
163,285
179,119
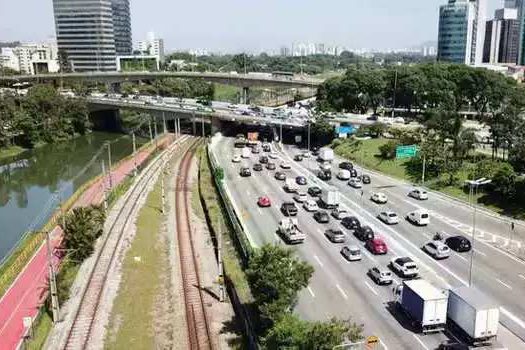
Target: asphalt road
342,289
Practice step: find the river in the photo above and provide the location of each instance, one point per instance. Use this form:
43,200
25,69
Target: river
29,181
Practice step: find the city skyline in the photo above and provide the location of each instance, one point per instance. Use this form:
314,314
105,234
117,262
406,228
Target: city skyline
358,25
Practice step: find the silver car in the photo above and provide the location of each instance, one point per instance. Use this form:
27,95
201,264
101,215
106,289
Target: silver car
351,253
437,249
380,275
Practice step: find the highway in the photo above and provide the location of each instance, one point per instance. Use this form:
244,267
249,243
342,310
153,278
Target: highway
342,289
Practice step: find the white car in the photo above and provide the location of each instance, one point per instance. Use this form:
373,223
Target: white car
310,205
285,165
355,183
388,217
419,217
379,197
418,193
236,158
272,155
399,120
351,253
404,267
380,275
343,175
437,249
340,213
306,154
300,197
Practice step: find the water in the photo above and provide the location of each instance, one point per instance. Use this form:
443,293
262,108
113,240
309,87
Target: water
28,183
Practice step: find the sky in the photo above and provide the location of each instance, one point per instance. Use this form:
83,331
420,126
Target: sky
253,25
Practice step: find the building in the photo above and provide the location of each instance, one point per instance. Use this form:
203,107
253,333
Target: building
89,31
285,51
462,31
502,37
31,58
152,46
122,27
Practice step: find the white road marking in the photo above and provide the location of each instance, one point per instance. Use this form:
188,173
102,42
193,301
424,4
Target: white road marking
479,252
311,291
503,283
320,231
318,260
507,313
420,342
461,257
521,276
371,288
341,291
259,210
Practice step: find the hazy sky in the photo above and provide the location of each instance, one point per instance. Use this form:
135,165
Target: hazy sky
236,25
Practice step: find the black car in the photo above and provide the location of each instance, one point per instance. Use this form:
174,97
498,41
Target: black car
270,166
364,233
353,173
315,151
267,147
279,175
373,117
257,167
314,191
365,179
245,172
263,160
324,175
301,180
346,166
351,222
322,217
458,243
298,158
289,209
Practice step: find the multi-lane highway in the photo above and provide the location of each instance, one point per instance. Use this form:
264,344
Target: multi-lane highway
342,289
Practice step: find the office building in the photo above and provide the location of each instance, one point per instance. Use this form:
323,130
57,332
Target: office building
31,58
122,27
86,35
152,46
502,37
462,31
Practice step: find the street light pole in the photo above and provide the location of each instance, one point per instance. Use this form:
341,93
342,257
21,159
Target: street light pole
109,165
394,96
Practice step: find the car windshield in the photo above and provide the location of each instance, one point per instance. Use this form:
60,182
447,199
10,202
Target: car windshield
355,251
392,215
424,216
386,273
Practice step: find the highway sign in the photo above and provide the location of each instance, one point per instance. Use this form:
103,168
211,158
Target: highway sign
406,151
345,130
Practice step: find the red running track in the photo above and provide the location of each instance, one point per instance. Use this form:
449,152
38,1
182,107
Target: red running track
29,290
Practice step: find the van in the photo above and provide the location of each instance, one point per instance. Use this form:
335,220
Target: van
343,174
419,217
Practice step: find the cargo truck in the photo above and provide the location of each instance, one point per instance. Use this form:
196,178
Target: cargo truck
329,199
290,232
423,303
473,314
326,154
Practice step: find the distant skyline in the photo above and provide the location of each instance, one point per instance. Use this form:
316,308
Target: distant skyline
255,25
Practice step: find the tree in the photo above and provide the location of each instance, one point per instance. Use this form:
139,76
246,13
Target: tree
388,150
326,335
321,130
81,229
504,180
276,275
290,332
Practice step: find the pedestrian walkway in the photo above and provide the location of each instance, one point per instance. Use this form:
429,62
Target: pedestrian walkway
28,292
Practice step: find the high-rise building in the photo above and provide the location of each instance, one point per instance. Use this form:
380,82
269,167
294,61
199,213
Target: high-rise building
461,31
31,58
122,27
151,46
91,32
502,37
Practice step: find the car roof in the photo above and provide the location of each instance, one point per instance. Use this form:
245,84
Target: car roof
377,240
404,260
353,247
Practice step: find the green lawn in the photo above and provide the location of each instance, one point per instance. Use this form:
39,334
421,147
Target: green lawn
226,93
11,151
132,318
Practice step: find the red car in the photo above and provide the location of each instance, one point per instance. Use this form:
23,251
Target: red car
264,201
376,246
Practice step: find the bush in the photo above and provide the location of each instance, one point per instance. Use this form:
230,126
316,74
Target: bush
388,150
504,180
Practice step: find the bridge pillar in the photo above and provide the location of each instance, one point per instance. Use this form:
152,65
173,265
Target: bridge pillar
113,87
246,95
193,122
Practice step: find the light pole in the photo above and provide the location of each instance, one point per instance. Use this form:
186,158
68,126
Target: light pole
473,188
394,95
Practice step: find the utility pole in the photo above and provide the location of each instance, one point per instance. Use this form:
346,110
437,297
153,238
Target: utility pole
221,266
164,123
134,154
394,96
202,126
424,168
104,192
52,282
281,133
162,190
150,132
109,165
156,136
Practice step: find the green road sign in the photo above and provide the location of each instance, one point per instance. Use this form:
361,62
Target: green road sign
406,151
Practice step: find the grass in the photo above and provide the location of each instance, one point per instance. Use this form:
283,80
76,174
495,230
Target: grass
226,93
132,320
11,151
41,329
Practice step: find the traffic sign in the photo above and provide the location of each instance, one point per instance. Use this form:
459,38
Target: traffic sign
406,151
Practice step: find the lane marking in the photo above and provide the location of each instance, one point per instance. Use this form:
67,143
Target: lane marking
503,283
318,260
259,210
512,317
479,252
320,231
341,291
521,276
311,291
420,342
371,288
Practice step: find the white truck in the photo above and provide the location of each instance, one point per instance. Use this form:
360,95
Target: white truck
290,232
474,314
330,199
425,304
246,152
291,186
326,154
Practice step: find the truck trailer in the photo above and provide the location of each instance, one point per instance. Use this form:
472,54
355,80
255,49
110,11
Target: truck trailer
326,154
473,314
424,304
329,199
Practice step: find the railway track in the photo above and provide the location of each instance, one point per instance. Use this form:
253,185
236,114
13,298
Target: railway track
199,335
78,336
